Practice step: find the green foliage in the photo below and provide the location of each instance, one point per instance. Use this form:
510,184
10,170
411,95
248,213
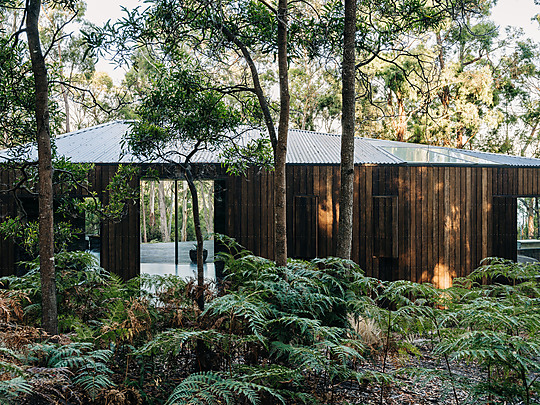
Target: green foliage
180,115
213,388
89,366
11,390
257,152
122,191
491,325
295,317
16,94
82,287
26,234
283,335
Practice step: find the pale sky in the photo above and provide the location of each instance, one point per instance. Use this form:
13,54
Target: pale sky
517,13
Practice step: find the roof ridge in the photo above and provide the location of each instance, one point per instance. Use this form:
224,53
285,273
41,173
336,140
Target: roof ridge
313,132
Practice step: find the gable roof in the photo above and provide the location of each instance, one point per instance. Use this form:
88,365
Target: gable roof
103,144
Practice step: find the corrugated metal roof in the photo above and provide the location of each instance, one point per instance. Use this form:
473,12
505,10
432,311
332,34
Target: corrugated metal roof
103,144
306,147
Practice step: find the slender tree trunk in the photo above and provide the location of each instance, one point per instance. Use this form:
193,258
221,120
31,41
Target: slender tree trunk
444,94
152,214
46,235
14,27
280,152
164,229
184,214
401,129
143,210
66,107
171,212
310,95
279,146
198,235
345,227
529,139
207,208
530,219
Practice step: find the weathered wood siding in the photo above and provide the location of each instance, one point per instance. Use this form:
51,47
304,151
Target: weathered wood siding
423,223
120,240
7,209
120,251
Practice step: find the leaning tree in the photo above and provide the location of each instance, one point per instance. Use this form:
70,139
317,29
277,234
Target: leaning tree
178,118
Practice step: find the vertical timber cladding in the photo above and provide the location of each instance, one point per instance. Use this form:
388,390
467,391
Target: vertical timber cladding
120,251
508,184
385,221
7,209
248,206
446,220
422,223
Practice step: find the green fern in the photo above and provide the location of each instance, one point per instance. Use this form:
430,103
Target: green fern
88,365
213,388
11,390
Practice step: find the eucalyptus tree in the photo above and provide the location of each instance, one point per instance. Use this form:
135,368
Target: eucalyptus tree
180,116
348,95
516,94
27,20
226,35
379,30
30,114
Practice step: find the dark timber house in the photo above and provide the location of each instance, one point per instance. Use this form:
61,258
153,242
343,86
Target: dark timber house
422,213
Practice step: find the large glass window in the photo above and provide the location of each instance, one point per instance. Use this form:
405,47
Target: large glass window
167,227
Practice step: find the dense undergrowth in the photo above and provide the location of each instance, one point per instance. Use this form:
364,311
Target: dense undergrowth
268,335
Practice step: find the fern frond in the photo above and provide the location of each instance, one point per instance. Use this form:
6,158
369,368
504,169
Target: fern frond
212,388
11,390
174,341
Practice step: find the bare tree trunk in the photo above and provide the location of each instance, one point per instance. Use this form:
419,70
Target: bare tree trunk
164,229
345,226
184,214
66,107
198,235
401,129
529,139
14,27
171,212
280,152
530,218
309,96
63,88
45,171
152,214
444,95
279,146
207,208
143,210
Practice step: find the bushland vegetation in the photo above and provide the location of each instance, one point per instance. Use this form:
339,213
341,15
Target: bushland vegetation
311,332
